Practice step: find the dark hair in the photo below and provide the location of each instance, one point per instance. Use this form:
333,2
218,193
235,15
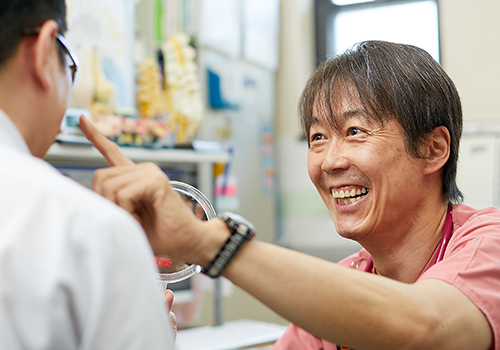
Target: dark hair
392,81
16,15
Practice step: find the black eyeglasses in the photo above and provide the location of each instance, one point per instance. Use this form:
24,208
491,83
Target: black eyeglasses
69,55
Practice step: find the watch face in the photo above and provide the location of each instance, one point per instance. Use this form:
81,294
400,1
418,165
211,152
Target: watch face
238,219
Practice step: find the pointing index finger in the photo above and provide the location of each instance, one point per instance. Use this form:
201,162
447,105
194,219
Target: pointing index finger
110,150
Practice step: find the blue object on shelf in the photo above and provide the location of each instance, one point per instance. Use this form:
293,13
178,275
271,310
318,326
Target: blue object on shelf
215,98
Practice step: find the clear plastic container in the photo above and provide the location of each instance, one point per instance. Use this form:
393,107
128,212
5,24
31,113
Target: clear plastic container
171,271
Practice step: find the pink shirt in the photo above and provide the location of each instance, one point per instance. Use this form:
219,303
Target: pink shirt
471,263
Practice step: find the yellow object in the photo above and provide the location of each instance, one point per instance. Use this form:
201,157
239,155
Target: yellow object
219,169
182,95
151,100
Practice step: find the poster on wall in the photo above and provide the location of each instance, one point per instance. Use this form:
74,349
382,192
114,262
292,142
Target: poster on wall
101,32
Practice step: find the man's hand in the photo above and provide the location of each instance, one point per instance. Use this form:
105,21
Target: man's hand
145,192
110,150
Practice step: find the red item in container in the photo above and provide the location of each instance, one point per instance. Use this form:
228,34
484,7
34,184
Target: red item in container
163,262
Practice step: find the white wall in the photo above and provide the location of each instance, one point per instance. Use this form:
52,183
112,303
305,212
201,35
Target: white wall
470,54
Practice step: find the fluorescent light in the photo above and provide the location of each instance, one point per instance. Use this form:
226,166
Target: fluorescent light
349,2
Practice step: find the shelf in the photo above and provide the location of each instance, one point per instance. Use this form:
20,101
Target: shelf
84,155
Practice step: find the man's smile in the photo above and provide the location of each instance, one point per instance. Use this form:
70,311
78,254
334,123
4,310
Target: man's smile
349,196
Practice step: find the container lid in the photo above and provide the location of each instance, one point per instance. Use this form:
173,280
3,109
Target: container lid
171,271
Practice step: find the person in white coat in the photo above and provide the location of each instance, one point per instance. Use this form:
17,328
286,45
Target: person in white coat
76,271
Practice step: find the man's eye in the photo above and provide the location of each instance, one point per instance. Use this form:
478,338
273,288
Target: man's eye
316,137
353,131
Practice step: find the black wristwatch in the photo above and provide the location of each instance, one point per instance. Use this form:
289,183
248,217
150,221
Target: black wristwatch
242,230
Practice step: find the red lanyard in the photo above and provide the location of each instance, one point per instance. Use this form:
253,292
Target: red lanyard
443,243
445,238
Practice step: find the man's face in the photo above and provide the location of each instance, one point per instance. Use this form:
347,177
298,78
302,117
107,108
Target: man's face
362,171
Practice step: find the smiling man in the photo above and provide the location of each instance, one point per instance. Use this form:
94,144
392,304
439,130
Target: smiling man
383,123
370,134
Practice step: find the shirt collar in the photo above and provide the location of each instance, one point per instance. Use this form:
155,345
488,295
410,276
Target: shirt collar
10,136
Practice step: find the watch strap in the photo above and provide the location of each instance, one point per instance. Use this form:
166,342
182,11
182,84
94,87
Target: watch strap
240,231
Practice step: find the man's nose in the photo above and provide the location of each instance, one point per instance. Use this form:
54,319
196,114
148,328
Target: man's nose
335,158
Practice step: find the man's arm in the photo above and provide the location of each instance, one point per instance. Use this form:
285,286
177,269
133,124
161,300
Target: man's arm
358,309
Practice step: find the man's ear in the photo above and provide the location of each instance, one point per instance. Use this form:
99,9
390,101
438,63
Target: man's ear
437,149
44,51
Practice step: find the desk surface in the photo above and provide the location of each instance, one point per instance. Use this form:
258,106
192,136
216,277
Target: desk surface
240,334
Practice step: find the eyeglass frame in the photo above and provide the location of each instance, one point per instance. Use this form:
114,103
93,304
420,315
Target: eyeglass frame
73,67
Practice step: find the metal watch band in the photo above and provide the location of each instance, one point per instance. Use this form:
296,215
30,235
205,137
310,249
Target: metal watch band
241,231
